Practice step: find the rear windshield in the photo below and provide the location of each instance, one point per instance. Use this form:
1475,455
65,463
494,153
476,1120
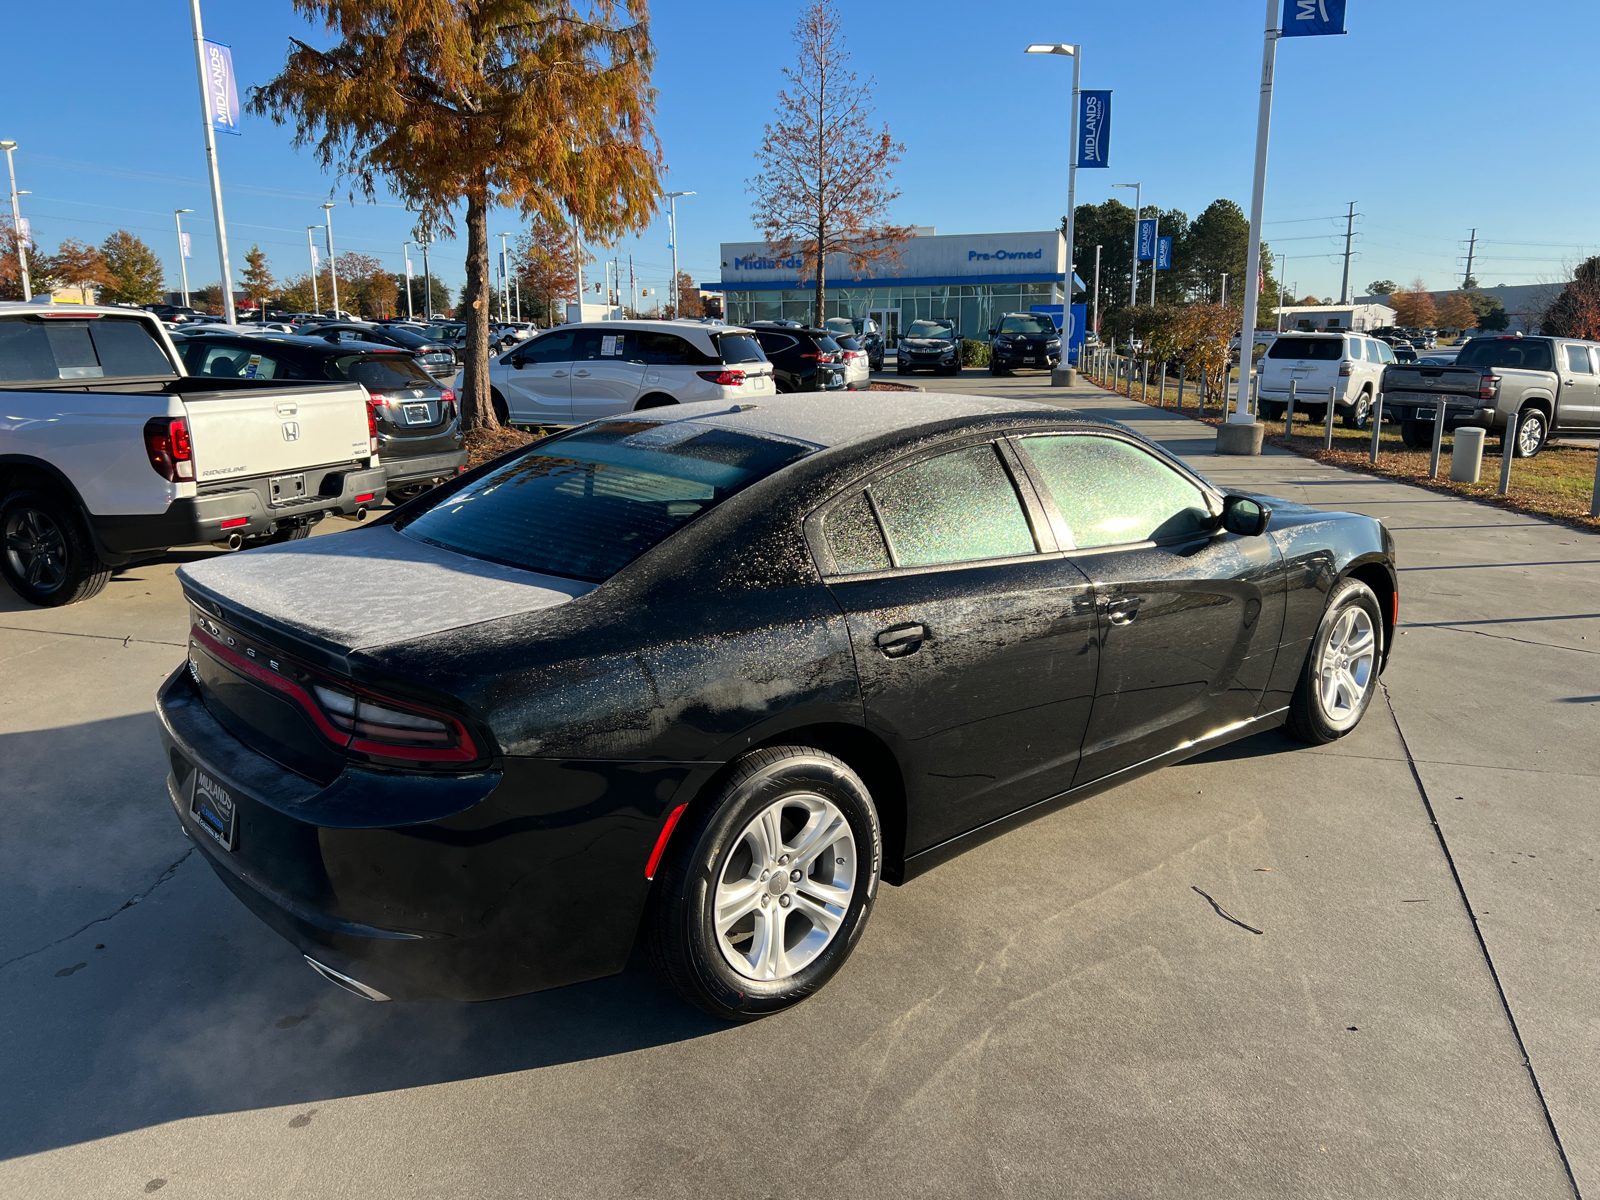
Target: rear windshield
1027,325
838,325
740,348
585,505
1316,349
380,372
1507,352
87,348
824,342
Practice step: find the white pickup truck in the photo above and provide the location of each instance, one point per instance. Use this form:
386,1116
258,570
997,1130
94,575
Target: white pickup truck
110,454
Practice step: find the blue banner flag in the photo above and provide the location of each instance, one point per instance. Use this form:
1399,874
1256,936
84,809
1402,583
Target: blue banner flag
1312,18
1164,254
222,92
1094,129
1147,239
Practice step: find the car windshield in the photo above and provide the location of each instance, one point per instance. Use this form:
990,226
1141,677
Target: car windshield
845,325
585,505
1315,349
1506,352
931,329
1027,325
380,372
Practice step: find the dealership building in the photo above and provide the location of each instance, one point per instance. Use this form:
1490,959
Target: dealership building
971,278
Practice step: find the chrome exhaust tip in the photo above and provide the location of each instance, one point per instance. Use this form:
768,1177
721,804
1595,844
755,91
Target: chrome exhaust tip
360,514
232,542
354,986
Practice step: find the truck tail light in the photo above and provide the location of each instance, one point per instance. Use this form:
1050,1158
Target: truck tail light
372,423
723,378
171,453
1488,386
1345,368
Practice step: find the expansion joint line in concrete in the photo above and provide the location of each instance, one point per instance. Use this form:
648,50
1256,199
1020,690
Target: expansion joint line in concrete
1483,946
127,904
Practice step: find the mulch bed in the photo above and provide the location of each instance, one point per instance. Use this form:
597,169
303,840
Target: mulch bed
484,444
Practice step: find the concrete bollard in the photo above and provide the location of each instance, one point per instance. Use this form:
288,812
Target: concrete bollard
1594,498
1234,437
1064,377
1202,391
1288,411
1438,438
1466,456
1508,451
1327,436
1377,426
1183,370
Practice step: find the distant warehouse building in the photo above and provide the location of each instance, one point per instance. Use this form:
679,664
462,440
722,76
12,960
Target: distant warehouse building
971,278
1335,318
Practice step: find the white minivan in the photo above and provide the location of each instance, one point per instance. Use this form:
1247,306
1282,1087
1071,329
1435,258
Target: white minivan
578,372
1349,363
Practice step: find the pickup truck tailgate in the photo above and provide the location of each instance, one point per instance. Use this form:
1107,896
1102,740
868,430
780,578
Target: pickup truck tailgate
1457,383
238,434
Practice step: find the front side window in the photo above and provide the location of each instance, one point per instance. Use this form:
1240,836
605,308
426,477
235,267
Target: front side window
1110,492
1578,360
586,504
670,350
958,507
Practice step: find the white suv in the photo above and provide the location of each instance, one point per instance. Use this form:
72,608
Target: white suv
578,372
1349,363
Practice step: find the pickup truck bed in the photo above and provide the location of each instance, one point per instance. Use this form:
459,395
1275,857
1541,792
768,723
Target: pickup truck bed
110,454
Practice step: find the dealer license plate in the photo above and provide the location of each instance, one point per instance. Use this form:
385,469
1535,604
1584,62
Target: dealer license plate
213,809
417,414
1030,358
285,488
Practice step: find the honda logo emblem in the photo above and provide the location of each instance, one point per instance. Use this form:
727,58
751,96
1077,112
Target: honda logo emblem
291,431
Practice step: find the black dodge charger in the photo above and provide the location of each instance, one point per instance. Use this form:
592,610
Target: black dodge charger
717,672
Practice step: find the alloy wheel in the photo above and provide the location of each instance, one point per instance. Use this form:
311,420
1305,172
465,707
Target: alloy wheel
1530,435
36,549
1347,664
785,887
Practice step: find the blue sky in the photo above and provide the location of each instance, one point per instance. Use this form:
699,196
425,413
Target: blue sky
1434,117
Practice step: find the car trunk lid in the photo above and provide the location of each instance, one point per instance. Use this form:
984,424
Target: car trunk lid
245,432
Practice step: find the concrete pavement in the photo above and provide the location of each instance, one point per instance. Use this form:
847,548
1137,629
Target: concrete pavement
1056,1013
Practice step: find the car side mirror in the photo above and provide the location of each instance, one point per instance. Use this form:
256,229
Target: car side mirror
518,362
993,330
1244,516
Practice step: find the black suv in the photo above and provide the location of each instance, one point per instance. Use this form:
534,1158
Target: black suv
866,332
804,359
934,343
437,358
419,428
1023,340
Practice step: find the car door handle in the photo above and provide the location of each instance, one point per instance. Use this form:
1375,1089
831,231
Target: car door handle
902,640
558,374
580,372
1121,610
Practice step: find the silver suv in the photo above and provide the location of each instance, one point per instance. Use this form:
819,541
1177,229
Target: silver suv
578,372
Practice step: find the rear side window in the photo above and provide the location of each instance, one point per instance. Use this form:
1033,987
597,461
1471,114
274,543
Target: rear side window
958,507
585,505
670,350
1314,349
97,348
853,538
1513,353
1578,360
380,372
739,348
1111,493
229,362
775,343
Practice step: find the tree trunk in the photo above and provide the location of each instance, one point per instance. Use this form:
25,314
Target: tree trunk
477,409
819,322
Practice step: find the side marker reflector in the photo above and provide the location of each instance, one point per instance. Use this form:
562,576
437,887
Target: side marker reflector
661,842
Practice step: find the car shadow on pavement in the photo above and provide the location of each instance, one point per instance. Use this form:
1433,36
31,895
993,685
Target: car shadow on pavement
160,997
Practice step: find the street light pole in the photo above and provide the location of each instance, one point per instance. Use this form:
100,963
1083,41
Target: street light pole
333,271
211,164
1097,292
427,283
405,258
16,222
672,235
311,256
1258,195
183,267
1074,52
505,279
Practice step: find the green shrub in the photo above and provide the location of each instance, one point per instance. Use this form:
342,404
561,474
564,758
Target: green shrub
974,353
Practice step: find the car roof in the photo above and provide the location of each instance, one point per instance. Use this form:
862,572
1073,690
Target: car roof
299,342
830,420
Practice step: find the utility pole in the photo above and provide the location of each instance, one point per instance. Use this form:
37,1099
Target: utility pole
1349,234
1466,280
16,225
577,266
211,164
427,283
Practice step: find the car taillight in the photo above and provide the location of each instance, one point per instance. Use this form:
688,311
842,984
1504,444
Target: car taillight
372,423
1488,386
723,378
1345,368
166,442
447,396
813,355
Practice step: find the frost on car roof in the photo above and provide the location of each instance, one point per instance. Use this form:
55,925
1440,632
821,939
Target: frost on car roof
835,420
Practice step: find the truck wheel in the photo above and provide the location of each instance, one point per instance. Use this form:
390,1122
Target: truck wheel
1532,432
1417,435
1357,415
49,558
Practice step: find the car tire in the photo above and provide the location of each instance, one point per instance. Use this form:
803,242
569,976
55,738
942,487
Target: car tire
655,400
502,413
1359,413
1418,435
46,553
1341,669
901,369
1271,411
1533,431
783,810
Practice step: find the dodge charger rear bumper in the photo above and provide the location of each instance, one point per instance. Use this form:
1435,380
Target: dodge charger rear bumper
469,887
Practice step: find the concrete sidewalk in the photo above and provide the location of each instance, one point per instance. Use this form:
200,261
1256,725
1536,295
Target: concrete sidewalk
1056,1013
